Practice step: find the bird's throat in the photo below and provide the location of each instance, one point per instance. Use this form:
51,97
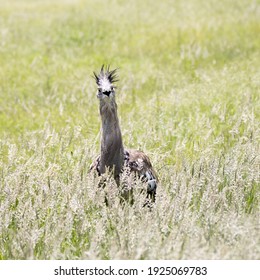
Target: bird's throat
112,151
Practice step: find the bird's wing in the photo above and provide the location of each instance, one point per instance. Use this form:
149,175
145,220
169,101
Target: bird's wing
140,163
136,160
95,165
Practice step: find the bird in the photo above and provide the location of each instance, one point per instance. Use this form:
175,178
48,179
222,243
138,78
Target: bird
113,156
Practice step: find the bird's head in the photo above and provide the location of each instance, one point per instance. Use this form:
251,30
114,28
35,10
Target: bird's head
105,81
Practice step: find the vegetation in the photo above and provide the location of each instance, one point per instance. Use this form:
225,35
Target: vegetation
188,96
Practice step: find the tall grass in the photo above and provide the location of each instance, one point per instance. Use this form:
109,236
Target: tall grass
188,96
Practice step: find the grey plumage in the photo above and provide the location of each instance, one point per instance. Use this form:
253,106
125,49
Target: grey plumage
113,155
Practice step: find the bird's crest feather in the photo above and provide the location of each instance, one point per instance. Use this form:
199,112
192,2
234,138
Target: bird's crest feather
105,76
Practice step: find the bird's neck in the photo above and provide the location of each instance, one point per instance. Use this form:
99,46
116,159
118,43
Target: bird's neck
112,151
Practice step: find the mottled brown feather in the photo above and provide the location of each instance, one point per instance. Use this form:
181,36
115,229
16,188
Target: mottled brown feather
136,160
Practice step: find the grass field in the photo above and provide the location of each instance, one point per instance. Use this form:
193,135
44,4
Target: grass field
188,95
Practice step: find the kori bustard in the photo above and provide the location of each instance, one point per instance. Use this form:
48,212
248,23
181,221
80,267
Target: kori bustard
114,157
